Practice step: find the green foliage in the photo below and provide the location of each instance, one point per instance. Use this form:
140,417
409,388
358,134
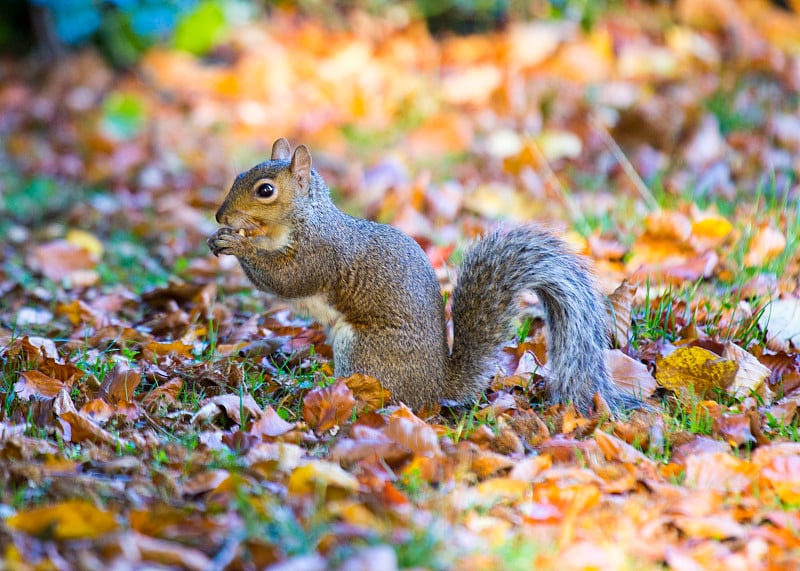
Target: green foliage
201,29
125,28
123,115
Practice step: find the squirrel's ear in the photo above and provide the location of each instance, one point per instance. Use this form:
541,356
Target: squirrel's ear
281,150
301,166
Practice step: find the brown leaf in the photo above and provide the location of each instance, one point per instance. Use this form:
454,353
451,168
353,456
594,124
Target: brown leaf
369,391
620,312
734,428
270,424
750,374
326,407
168,393
630,375
120,384
416,435
616,449
60,259
34,383
97,410
78,428
232,406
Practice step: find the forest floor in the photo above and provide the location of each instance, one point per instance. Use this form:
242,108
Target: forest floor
156,411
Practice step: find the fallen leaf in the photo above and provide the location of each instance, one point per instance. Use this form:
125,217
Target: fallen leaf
326,407
765,246
781,320
750,373
120,384
695,370
316,475
73,519
34,383
369,391
621,302
630,375
270,424
237,408
416,435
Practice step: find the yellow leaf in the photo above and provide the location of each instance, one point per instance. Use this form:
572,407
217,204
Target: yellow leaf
317,474
74,519
712,228
695,368
87,241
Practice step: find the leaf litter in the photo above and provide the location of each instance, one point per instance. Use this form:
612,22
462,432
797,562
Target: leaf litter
156,412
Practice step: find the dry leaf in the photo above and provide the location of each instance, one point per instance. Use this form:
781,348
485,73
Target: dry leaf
35,384
316,475
620,312
73,519
765,246
270,424
750,373
696,370
408,430
120,384
630,375
326,407
369,391
233,406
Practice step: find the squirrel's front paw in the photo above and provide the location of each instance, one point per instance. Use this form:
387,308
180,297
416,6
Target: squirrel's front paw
228,241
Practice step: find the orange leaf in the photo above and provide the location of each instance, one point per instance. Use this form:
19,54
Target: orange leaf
416,435
765,246
326,407
368,390
34,383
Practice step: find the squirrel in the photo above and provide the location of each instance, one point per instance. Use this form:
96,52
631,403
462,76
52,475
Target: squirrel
375,290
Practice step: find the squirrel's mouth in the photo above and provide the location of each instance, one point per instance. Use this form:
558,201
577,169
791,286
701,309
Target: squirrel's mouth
251,232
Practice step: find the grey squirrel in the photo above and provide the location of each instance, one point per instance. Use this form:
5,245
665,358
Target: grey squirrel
374,288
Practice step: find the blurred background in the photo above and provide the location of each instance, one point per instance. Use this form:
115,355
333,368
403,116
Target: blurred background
123,122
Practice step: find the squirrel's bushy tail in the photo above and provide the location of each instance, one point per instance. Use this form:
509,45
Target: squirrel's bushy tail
494,271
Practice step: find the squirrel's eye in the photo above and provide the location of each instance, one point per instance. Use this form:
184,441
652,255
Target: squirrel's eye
265,190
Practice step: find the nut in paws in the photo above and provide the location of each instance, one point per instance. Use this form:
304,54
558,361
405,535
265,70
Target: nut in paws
227,241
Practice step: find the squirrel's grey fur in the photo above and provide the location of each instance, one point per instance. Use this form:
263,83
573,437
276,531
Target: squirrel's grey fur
375,289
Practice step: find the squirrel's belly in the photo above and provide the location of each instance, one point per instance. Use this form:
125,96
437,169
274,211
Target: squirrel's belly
340,332
317,307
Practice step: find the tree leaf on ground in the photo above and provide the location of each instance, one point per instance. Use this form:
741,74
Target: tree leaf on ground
369,391
120,384
73,519
34,383
620,312
237,408
630,375
695,370
750,373
326,407
408,430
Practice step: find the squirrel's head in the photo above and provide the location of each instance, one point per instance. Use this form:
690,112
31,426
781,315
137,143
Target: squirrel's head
264,201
